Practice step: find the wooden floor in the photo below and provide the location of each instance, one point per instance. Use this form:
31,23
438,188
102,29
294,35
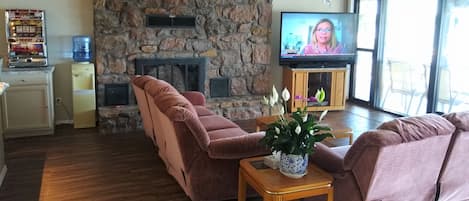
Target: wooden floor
83,165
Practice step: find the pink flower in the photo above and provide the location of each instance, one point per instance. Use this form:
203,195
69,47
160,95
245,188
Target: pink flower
312,99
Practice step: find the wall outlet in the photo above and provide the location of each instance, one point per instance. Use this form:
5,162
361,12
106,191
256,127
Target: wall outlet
58,100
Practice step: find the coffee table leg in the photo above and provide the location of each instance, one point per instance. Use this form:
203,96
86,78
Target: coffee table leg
274,198
241,187
330,195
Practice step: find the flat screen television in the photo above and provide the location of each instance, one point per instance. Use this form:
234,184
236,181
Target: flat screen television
317,39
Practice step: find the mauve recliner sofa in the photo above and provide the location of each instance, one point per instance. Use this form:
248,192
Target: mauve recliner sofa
200,149
399,161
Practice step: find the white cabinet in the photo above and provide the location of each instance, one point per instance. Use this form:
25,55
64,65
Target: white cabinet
27,106
3,166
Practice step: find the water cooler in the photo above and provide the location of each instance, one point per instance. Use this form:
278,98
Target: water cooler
83,84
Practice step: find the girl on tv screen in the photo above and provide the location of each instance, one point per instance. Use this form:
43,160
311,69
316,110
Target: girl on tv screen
323,39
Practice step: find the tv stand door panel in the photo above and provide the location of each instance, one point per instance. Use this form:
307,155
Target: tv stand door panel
296,80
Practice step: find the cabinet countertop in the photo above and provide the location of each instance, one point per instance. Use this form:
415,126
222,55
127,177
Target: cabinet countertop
28,70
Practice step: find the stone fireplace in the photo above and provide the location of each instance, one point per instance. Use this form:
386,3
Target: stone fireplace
231,37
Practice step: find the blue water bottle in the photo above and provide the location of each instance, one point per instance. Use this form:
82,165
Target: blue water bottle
81,48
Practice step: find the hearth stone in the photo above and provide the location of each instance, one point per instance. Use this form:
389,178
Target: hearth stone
119,119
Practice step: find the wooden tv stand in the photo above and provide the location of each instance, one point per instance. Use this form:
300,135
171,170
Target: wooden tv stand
300,80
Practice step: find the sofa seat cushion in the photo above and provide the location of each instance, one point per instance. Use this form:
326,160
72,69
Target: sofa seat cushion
203,111
341,150
216,122
225,133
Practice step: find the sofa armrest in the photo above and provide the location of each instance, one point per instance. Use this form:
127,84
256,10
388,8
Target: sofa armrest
237,147
195,97
328,159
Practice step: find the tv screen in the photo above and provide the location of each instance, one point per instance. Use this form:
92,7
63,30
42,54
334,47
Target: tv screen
317,38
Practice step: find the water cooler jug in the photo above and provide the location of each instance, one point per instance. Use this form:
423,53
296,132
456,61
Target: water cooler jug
81,48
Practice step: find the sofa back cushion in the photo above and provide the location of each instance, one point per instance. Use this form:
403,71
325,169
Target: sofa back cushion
138,84
179,154
402,159
169,101
157,87
178,109
454,177
141,80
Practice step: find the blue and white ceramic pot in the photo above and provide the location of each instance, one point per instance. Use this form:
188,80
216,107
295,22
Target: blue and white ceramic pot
293,166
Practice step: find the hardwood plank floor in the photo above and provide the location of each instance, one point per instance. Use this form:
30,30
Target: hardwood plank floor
81,164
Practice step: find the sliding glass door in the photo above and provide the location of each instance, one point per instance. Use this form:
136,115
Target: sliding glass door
366,43
452,91
407,50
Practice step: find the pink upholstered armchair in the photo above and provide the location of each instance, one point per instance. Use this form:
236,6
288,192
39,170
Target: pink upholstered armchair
200,149
400,161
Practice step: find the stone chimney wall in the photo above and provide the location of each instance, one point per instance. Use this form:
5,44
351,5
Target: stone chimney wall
232,34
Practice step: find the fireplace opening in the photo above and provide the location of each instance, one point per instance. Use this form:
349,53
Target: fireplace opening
116,94
185,74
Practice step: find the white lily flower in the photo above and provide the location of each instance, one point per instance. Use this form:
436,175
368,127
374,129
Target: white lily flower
265,101
282,110
272,101
277,130
323,114
285,94
305,118
298,130
274,94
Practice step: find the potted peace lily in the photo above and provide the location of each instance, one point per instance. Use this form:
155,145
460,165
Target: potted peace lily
293,136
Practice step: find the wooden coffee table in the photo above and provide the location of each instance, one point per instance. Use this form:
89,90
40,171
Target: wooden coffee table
262,122
273,185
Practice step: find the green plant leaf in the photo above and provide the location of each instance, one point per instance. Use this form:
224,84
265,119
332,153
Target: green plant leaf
281,136
321,137
320,95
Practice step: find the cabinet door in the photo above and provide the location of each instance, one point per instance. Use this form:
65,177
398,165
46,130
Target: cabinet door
300,89
26,107
338,87
297,83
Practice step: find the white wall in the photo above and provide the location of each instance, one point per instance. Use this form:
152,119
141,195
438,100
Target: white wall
64,19
297,5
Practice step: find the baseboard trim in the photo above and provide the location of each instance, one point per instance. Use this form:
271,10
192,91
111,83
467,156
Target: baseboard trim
3,173
60,122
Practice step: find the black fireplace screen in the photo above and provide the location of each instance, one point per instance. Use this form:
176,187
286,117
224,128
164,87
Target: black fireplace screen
185,74
116,94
